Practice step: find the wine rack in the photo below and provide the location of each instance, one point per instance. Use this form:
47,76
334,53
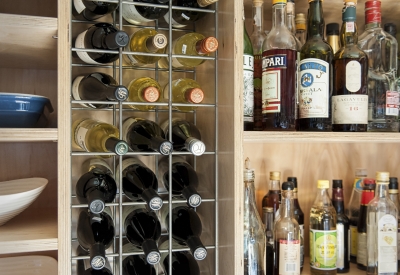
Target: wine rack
205,117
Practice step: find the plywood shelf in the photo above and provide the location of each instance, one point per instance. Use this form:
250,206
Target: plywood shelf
28,134
33,230
28,42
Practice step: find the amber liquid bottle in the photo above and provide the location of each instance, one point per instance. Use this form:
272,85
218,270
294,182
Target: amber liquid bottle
273,198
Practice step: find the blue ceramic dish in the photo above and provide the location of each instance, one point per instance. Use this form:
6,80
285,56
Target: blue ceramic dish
22,110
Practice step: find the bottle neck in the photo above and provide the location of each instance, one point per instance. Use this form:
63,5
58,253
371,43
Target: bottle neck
279,15
381,189
316,23
337,200
258,18
249,193
323,197
373,18
349,32
290,18
287,204
274,185
394,195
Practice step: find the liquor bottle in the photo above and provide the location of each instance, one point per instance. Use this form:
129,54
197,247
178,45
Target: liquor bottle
332,36
185,136
248,80
143,229
182,263
391,29
96,187
290,21
301,28
322,231
350,86
144,89
138,15
100,36
383,98
96,136
299,216
273,197
137,264
342,228
394,196
145,41
279,73
182,18
257,38
95,233
254,232
99,87
139,182
184,179
191,44
268,220
382,230
92,10
368,193
353,211
144,135
184,90
287,235
315,75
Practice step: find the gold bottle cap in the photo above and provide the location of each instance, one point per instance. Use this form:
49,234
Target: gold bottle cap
275,175
194,95
258,3
279,2
203,3
159,41
382,176
323,184
151,94
350,1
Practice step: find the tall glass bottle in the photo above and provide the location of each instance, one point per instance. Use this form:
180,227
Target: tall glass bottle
301,28
290,21
254,238
350,91
248,75
273,198
394,196
391,29
279,73
382,230
287,236
315,75
323,240
342,227
332,36
257,38
268,220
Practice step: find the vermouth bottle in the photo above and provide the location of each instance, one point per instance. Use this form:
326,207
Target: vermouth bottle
248,85
99,87
394,196
137,264
332,36
184,90
145,41
144,89
182,263
301,28
100,36
279,73
350,91
315,75
92,10
143,14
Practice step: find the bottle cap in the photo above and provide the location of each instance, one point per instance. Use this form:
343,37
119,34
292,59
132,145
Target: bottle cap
155,203
393,183
323,184
121,93
207,45
300,21
151,94
159,41
248,173
98,262
117,39
288,185
369,181
194,95
360,172
196,146
337,184
332,29
204,3
294,180
373,4
349,14
275,175
390,28
279,2
350,1
258,3
382,176
166,148
194,200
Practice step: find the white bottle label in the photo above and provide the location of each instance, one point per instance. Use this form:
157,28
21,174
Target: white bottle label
80,137
362,249
130,14
349,26
289,257
353,75
184,47
350,109
75,91
174,23
248,91
84,56
387,244
79,6
314,88
392,102
340,258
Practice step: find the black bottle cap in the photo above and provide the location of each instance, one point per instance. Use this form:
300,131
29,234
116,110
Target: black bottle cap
332,29
117,39
337,184
390,28
121,93
393,183
288,185
151,251
294,180
117,146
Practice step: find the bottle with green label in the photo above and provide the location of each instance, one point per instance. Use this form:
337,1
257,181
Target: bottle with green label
323,242
248,74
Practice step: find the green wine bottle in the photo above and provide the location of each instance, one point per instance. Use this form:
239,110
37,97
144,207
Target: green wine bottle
248,75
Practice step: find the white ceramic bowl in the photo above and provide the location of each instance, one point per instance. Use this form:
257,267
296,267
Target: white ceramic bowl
17,195
22,265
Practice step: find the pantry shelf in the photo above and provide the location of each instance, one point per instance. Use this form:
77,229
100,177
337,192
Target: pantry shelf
28,134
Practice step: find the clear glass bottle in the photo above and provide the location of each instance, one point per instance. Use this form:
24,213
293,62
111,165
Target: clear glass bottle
287,236
290,21
268,220
254,237
391,29
248,82
394,196
144,89
279,73
382,230
273,198
323,240
301,28
332,36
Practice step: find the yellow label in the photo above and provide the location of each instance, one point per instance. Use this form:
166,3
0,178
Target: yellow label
353,240
323,249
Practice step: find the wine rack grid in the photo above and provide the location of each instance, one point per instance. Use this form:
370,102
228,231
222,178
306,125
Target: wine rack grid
117,113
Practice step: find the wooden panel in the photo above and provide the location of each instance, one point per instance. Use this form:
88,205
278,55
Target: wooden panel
31,134
46,8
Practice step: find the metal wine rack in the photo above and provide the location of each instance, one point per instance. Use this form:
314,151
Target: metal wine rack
209,160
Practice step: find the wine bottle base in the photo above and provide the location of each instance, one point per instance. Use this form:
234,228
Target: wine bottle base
383,126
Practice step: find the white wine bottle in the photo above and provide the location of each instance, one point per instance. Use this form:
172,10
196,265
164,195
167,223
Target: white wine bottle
92,10
191,44
143,14
145,41
144,89
96,136
184,90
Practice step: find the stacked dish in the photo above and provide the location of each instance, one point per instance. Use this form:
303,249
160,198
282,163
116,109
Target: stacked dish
22,265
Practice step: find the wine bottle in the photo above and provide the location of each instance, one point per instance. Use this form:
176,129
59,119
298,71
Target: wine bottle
144,89
96,136
137,265
248,80
144,135
143,14
143,229
139,182
184,179
92,10
273,198
191,44
185,136
96,187
83,268
99,87
184,90
100,36
268,220
95,233
182,263
145,41
186,228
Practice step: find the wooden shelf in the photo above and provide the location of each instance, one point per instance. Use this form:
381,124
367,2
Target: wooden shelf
28,134
27,42
32,230
321,137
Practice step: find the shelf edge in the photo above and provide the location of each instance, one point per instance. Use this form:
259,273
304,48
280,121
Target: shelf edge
28,134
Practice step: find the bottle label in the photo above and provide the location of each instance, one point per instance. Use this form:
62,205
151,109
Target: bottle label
349,26
174,23
75,91
132,60
314,88
353,241
350,109
392,103
362,249
301,226
367,196
130,14
248,92
387,244
353,75
398,244
289,256
79,6
323,249
257,83
340,258
84,56
80,136
184,47
98,163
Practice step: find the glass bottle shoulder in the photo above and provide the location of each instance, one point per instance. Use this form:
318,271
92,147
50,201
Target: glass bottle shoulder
279,38
382,205
257,39
351,51
374,35
316,47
